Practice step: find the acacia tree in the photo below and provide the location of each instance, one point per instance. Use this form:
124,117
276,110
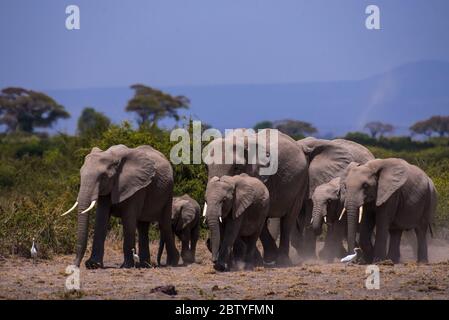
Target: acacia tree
24,110
263,125
294,128
378,128
92,123
151,104
435,124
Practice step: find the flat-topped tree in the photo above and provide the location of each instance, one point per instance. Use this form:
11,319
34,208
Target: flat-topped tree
377,128
24,110
435,124
152,105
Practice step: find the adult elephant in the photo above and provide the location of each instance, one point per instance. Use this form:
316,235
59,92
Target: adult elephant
287,186
134,184
397,196
327,160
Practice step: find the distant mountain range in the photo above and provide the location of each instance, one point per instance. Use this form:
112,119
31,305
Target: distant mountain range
401,96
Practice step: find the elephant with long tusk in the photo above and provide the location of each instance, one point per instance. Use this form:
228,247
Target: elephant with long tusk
133,184
390,195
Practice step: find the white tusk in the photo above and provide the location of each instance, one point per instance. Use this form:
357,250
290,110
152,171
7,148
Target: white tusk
70,210
325,220
311,220
360,213
342,213
219,218
90,207
205,209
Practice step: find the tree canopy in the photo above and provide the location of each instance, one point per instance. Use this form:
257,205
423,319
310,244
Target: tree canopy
24,110
377,128
263,125
295,128
92,123
435,124
151,104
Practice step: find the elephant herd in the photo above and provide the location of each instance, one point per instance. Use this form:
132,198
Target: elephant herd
338,183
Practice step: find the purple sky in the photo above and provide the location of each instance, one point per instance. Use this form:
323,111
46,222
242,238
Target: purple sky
202,42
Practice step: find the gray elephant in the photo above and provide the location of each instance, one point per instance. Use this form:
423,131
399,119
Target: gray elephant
134,184
242,203
287,186
327,206
327,160
185,221
395,196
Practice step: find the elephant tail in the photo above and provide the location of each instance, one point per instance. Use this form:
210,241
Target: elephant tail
160,251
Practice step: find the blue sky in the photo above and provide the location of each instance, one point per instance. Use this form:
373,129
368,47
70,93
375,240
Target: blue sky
203,42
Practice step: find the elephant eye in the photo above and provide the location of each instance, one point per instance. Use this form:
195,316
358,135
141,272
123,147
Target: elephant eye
329,201
365,185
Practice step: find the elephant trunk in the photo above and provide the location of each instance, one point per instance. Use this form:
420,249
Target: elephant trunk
160,251
353,215
85,197
318,214
214,227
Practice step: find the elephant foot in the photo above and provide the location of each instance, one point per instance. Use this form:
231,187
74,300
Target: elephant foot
187,258
220,267
146,265
249,266
127,265
382,262
283,260
173,260
92,264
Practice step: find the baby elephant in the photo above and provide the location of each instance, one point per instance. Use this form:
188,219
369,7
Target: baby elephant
327,208
185,220
241,203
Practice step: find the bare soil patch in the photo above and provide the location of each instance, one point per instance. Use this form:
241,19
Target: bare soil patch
21,279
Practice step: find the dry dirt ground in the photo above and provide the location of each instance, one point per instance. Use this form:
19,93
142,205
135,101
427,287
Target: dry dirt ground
21,279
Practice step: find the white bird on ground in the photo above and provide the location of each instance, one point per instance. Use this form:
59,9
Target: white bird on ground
33,252
135,257
352,257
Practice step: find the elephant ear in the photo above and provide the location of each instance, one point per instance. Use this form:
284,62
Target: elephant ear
328,160
243,198
392,174
136,171
188,214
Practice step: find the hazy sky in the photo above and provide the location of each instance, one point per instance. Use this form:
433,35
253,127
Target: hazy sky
203,42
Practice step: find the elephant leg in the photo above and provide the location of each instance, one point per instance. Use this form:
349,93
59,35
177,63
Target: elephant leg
160,250
258,260
144,244
284,243
129,240
231,232
269,245
380,245
168,237
185,249
366,231
421,235
102,218
332,245
394,253
193,240
309,238
250,252
238,252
